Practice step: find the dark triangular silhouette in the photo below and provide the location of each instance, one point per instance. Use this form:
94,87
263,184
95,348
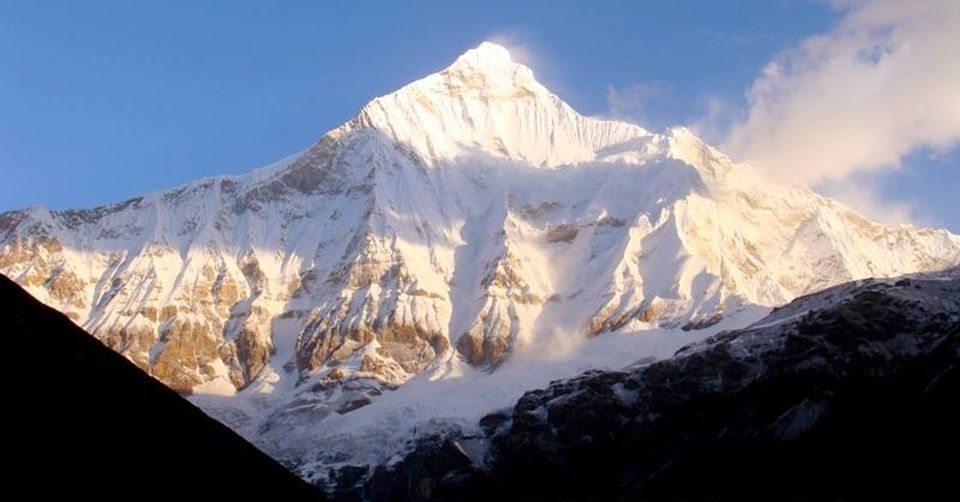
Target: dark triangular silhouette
83,420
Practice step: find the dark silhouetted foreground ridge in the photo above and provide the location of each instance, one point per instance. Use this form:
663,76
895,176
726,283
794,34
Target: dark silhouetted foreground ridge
85,421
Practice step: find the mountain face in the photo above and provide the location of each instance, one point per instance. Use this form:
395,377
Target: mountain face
848,394
449,248
85,421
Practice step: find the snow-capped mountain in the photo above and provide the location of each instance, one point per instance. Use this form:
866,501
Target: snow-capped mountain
450,247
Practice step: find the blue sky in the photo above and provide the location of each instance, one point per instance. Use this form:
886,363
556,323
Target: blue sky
100,101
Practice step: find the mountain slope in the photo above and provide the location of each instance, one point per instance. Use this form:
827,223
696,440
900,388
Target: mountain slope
83,420
848,394
452,246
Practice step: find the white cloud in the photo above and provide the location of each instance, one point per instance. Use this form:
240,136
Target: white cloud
524,51
715,123
632,103
882,83
863,194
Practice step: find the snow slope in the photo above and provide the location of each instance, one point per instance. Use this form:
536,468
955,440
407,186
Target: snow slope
462,239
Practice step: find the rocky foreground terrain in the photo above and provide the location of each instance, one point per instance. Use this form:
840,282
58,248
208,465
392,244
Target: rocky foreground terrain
847,394
85,422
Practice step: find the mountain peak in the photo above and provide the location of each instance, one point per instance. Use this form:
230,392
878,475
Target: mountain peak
487,103
486,55
487,70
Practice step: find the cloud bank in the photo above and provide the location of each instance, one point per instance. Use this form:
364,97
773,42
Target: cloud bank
883,82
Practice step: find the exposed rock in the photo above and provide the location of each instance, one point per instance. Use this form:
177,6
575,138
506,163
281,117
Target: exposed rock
562,233
438,469
254,342
188,353
703,323
67,288
352,405
382,368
